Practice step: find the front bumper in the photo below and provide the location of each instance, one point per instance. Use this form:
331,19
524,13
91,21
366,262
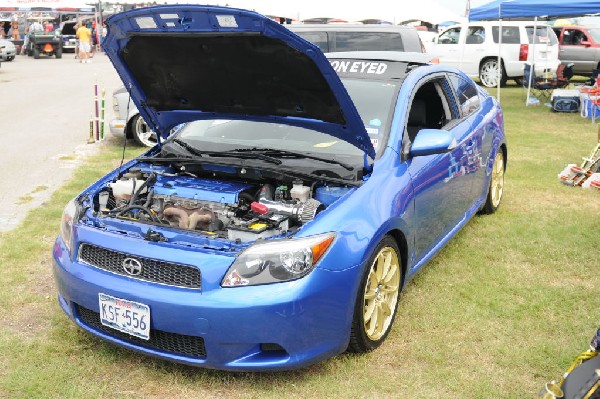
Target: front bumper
4,56
270,327
117,127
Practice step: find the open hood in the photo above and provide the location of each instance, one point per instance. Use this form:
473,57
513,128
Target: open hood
187,62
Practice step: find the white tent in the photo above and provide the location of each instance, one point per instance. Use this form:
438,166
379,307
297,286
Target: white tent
46,4
351,10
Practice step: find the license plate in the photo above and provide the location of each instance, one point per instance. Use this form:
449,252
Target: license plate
130,317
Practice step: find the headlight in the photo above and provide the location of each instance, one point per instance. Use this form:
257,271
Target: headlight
277,261
69,217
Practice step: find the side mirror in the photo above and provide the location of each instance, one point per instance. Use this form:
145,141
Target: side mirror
432,141
586,43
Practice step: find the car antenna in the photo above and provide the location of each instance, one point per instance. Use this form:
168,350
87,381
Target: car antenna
125,135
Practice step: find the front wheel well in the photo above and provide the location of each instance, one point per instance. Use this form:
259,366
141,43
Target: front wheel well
129,128
400,239
489,57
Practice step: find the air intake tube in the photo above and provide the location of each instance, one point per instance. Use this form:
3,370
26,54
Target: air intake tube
301,211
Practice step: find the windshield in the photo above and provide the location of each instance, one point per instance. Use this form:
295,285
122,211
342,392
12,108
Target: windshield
374,100
595,33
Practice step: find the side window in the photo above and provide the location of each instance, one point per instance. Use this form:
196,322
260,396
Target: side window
429,108
466,93
318,38
578,37
543,34
510,34
450,36
371,41
475,35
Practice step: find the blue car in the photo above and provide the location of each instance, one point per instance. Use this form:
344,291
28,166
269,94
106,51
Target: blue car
298,195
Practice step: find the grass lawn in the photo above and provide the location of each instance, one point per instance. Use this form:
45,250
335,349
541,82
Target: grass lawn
504,308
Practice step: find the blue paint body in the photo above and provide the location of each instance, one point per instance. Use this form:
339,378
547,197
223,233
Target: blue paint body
425,200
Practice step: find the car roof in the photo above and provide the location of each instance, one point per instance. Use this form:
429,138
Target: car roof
401,56
397,64
350,27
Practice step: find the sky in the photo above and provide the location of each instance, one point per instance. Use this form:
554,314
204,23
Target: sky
459,6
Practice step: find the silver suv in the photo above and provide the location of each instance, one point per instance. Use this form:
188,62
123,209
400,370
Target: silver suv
369,37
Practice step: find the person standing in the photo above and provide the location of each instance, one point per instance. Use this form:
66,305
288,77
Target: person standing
85,37
15,29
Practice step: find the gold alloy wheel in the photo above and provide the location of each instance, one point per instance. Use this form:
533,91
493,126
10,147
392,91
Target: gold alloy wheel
497,184
381,293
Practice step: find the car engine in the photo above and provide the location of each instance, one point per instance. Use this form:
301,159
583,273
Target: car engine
233,210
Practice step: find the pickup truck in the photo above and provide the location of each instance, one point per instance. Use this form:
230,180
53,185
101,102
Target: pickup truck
581,46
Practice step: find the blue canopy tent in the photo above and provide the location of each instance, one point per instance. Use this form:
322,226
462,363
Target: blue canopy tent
507,9
514,9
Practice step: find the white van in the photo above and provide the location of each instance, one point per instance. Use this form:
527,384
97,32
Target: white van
474,48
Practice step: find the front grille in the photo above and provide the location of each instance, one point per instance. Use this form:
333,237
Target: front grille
186,345
152,270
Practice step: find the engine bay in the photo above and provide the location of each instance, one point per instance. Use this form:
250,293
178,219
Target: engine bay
217,205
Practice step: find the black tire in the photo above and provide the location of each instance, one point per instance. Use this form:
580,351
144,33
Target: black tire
379,298
520,81
58,52
10,58
488,73
29,52
36,53
496,188
141,132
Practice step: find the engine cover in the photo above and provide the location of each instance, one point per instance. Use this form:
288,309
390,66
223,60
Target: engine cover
223,192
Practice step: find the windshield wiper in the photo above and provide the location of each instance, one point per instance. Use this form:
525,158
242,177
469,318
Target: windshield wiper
234,154
284,153
273,169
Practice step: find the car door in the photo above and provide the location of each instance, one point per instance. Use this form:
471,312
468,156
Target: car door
471,126
442,190
448,48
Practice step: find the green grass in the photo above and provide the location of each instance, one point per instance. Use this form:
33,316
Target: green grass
503,309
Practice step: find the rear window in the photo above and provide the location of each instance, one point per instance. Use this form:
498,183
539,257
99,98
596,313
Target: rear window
510,34
367,41
355,41
318,38
543,35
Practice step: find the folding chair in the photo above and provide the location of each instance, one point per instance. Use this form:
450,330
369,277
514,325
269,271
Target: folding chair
540,88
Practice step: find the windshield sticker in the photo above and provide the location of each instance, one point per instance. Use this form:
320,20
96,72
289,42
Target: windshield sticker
170,24
375,142
373,68
375,122
372,130
227,21
146,23
325,145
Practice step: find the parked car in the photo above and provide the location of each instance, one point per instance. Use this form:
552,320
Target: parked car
279,225
128,120
69,39
474,48
354,37
579,45
8,51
